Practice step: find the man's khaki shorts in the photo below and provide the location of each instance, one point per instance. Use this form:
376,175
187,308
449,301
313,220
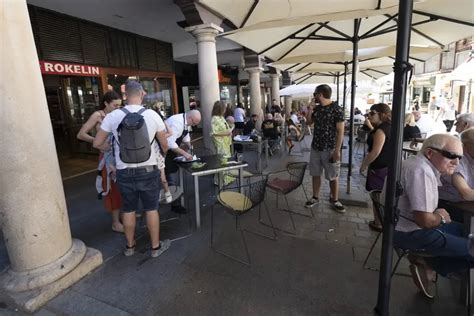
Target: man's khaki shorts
319,161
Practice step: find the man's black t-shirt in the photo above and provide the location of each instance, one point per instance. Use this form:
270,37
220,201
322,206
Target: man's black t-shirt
325,119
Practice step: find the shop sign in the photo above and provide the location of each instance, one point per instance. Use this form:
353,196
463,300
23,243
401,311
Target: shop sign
57,68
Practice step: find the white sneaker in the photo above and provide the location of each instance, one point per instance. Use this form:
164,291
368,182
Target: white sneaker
168,197
164,245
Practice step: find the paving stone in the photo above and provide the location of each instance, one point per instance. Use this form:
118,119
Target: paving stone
360,241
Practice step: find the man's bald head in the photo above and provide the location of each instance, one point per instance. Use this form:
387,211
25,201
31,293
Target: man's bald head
440,141
193,117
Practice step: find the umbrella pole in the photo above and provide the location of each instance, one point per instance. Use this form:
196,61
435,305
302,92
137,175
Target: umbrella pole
337,86
393,187
344,92
355,62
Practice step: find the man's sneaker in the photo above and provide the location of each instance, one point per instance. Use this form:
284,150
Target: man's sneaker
164,245
337,206
311,202
420,278
129,251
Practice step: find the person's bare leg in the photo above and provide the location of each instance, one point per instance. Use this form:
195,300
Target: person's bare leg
334,186
116,223
164,182
129,222
153,225
316,185
377,220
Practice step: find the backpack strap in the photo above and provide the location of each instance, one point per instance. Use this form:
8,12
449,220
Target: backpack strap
141,110
124,110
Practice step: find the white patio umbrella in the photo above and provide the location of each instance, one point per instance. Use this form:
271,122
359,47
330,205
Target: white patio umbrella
286,28
302,90
465,71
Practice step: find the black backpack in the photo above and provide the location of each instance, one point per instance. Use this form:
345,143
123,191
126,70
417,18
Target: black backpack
133,139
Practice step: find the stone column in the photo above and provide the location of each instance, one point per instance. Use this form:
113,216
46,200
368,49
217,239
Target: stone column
288,101
276,87
255,94
44,259
205,35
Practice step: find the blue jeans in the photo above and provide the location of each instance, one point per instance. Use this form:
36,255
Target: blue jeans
451,256
139,184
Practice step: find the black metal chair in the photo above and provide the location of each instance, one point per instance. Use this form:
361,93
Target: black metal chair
375,196
238,201
291,179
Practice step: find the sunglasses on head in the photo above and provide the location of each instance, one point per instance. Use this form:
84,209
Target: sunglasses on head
447,154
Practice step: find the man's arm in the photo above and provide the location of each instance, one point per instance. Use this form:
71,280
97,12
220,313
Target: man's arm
466,192
100,140
161,138
336,155
431,220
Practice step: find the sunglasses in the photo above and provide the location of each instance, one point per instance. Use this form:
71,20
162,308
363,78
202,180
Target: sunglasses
447,154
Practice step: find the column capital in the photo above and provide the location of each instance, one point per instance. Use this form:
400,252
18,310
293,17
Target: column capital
205,32
254,69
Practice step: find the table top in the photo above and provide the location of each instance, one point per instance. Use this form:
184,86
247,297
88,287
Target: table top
406,147
247,142
213,165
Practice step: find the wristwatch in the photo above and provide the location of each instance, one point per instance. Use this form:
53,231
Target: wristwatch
443,220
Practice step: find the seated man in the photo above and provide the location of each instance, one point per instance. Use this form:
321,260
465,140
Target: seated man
421,222
250,125
459,186
270,132
464,121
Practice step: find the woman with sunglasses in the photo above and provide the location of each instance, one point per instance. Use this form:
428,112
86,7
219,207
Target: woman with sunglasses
377,158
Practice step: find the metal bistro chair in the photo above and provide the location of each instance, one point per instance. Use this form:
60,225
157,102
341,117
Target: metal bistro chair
375,196
283,186
238,201
361,140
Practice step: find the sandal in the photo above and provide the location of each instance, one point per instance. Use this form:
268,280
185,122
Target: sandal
374,226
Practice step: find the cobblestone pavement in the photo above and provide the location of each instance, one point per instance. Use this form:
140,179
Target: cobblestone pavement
315,271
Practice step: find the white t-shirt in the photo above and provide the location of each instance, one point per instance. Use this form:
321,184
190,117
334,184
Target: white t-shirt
239,115
154,124
177,124
294,118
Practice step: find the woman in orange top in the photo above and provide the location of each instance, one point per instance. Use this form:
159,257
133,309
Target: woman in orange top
109,189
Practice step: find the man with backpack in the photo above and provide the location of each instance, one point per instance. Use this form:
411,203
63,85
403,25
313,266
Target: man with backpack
136,131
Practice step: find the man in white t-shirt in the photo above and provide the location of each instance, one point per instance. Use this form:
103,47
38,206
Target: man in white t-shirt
239,116
137,181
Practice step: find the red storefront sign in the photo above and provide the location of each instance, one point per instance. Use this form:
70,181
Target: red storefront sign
57,68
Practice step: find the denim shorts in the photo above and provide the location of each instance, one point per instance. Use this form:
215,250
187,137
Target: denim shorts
139,184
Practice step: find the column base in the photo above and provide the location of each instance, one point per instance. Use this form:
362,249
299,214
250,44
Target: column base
31,300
